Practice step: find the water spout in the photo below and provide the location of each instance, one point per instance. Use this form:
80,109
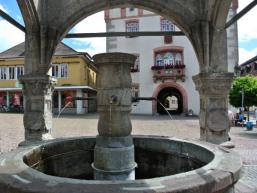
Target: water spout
63,109
165,109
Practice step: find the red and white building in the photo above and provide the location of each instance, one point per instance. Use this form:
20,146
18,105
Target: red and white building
165,64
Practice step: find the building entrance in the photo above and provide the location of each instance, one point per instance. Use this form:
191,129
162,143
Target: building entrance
171,99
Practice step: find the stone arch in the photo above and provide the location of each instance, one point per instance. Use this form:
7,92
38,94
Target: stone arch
172,11
175,85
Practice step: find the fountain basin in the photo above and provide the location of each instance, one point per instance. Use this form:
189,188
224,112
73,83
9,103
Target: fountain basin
164,165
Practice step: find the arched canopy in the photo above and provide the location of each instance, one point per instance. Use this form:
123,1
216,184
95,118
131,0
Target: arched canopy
76,10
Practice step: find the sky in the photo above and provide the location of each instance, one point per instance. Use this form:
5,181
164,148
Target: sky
11,36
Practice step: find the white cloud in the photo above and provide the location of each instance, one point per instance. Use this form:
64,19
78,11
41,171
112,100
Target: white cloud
247,26
91,24
97,45
9,35
245,55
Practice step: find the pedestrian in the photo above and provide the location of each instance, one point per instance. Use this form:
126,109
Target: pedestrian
241,119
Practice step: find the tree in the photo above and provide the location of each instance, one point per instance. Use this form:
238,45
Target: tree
246,86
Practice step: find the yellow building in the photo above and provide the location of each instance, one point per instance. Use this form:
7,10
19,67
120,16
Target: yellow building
75,73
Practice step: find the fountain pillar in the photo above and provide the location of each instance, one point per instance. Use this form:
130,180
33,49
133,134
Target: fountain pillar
38,107
114,150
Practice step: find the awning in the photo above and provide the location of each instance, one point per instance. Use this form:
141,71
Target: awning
11,89
84,88
57,88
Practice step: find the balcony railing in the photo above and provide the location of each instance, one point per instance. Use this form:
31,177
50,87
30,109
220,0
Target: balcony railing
169,72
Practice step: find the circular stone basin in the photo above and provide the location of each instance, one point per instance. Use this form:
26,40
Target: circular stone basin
164,165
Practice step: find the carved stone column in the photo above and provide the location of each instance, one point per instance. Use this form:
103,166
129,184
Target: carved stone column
214,121
114,150
37,90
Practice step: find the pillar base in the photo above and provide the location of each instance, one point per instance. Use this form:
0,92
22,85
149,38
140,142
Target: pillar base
114,158
128,174
213,136
36,138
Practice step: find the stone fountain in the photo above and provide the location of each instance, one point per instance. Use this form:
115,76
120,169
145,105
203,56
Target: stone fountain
114,150
114,161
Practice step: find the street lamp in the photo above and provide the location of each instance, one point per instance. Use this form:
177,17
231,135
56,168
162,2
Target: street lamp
242,98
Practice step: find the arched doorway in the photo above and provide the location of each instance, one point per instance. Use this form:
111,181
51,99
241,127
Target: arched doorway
170,91
171,100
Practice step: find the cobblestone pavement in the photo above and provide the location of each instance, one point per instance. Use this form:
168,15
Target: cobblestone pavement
12,133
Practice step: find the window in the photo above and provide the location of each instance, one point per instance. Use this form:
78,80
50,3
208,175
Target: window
178,58
132,26
19,71
131,9
60,70
168,59
55,70
167,25
11,72
159,60
63,71
135,90
3,73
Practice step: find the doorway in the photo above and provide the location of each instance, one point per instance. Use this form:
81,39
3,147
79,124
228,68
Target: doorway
171,99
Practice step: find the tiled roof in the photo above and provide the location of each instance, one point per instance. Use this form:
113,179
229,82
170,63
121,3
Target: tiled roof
19,51
254,59
14,52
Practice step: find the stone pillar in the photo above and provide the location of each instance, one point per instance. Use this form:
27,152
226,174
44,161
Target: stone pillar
79,109
7,99
114,150
59,101
38,107
213,89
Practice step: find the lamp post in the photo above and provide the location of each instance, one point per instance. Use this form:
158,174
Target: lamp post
242,98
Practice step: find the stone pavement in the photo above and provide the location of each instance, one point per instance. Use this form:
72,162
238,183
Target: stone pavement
246,146
11,133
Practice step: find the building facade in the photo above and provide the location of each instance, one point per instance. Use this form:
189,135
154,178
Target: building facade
74,71
165,64
248,68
